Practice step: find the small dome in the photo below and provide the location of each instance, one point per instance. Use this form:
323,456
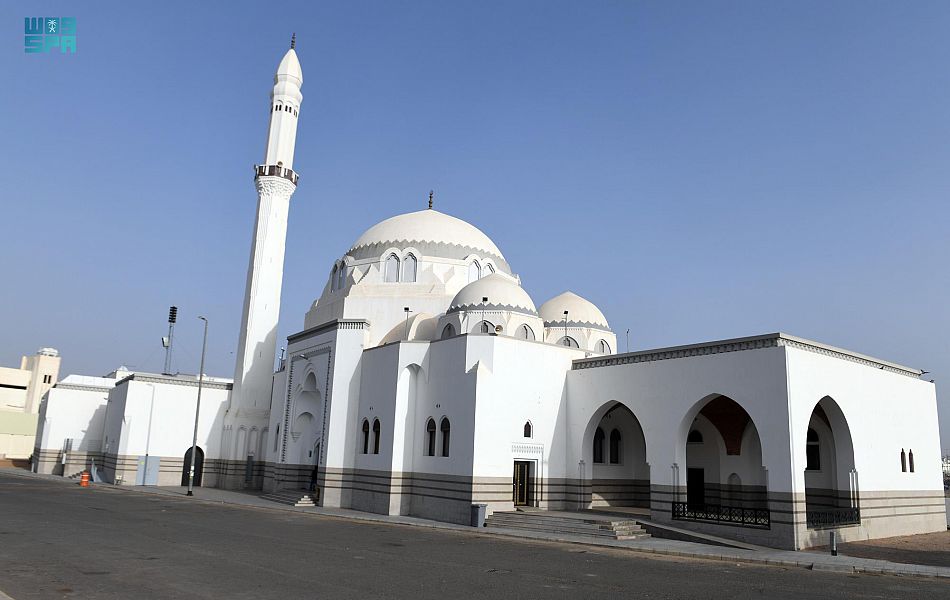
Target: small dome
289,67
581,312
502,292
428,226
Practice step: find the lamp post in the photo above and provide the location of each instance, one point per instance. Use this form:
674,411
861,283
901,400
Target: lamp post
484,302
194,437
406,308
567,341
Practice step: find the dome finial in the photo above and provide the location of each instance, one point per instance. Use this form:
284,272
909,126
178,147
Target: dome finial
293,40
431,195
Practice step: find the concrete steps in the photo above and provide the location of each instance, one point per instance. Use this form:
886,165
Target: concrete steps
555,523
297,498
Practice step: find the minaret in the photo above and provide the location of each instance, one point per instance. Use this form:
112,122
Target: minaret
276,181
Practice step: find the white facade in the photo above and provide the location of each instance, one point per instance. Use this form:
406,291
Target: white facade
20,393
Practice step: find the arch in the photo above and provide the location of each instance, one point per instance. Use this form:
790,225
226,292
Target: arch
252,441
445,429
903,461
333,278
488,270
525,332
568,341
485,327
625,480
474,271
910,460
448,331
831,494
365,429
528,430
602,347
199,466
304,428
341,274
721,439
391,272
430,437
303,431
240,444
376,432
410,264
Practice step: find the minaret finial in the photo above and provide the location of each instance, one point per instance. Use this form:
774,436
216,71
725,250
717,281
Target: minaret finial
293,40
431,194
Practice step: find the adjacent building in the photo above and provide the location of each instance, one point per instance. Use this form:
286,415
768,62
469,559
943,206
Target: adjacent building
20,393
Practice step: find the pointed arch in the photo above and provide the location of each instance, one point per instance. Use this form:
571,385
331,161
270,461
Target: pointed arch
391,274
409,268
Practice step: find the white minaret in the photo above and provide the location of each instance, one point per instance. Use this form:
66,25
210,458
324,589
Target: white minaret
276,181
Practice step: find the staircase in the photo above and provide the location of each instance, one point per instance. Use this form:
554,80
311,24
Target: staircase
297,498
569,523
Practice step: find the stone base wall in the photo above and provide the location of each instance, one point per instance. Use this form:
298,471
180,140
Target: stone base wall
50,462
620,492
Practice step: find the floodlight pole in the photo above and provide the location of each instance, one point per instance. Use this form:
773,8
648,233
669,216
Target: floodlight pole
194,437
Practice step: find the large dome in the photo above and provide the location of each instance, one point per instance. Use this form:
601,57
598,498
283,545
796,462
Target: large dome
580,311
428,228
502,292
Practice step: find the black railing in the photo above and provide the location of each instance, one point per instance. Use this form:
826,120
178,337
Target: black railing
834,517
729,515
276,171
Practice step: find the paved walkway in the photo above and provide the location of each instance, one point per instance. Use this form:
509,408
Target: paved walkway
768,556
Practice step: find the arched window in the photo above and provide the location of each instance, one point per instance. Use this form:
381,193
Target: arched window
812,451
474,270
615,447
599,446
430,437
489,270
528,429
365,436
448,331
903,461
603,347
525,333
392,269
694,437
446,428
409,269
568,341
376,436
341,281
910,460
485,327
333,278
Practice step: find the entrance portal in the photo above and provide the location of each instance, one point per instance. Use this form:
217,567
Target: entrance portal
199,467
695,488
522,484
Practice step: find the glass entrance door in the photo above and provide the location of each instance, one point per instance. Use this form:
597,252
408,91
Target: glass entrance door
523,495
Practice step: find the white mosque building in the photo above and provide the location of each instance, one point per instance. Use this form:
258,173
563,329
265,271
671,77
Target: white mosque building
425,379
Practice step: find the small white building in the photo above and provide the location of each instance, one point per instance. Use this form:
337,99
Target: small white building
20,393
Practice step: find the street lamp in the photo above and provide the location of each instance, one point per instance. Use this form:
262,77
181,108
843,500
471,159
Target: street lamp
406,308
194,438
567,341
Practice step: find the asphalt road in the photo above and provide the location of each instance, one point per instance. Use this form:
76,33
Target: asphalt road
61,541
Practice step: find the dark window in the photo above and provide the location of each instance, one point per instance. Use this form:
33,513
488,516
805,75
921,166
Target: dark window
903,461
446,429
430,438
599,446
812,451
527,429
376,436
365,436
910,460
615,447
448,331
694,437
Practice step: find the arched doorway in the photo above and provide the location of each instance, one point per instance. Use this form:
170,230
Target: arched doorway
831,491
725,478
616,452
199,466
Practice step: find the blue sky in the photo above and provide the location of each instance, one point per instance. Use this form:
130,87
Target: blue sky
699,170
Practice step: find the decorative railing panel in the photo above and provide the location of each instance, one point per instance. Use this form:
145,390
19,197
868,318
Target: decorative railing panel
728,515
835,517
276,171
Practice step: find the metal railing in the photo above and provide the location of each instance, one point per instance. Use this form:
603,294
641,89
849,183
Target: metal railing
834,517
728,515
276,171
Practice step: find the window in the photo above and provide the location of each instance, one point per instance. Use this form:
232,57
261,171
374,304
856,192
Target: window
812,451
376,436
409,269
603,347
341,281
568,341
615,447
599,446
392,269
489,270
333,278
694,437
903,461
525,333
474,269
430,438
910,460
448,331
446,428
365,436
528,429
286,108
485,327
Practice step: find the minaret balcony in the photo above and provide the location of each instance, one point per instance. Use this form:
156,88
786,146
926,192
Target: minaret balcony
276,171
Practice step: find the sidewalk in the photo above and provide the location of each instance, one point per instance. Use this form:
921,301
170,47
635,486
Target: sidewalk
767,556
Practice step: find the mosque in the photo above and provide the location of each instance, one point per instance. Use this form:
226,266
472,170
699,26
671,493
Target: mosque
425,379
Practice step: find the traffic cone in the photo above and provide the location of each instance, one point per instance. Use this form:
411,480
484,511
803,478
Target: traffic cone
84,479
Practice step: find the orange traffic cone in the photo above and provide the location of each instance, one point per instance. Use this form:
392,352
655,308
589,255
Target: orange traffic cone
84,479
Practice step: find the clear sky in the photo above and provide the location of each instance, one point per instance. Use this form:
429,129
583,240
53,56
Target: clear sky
700,170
